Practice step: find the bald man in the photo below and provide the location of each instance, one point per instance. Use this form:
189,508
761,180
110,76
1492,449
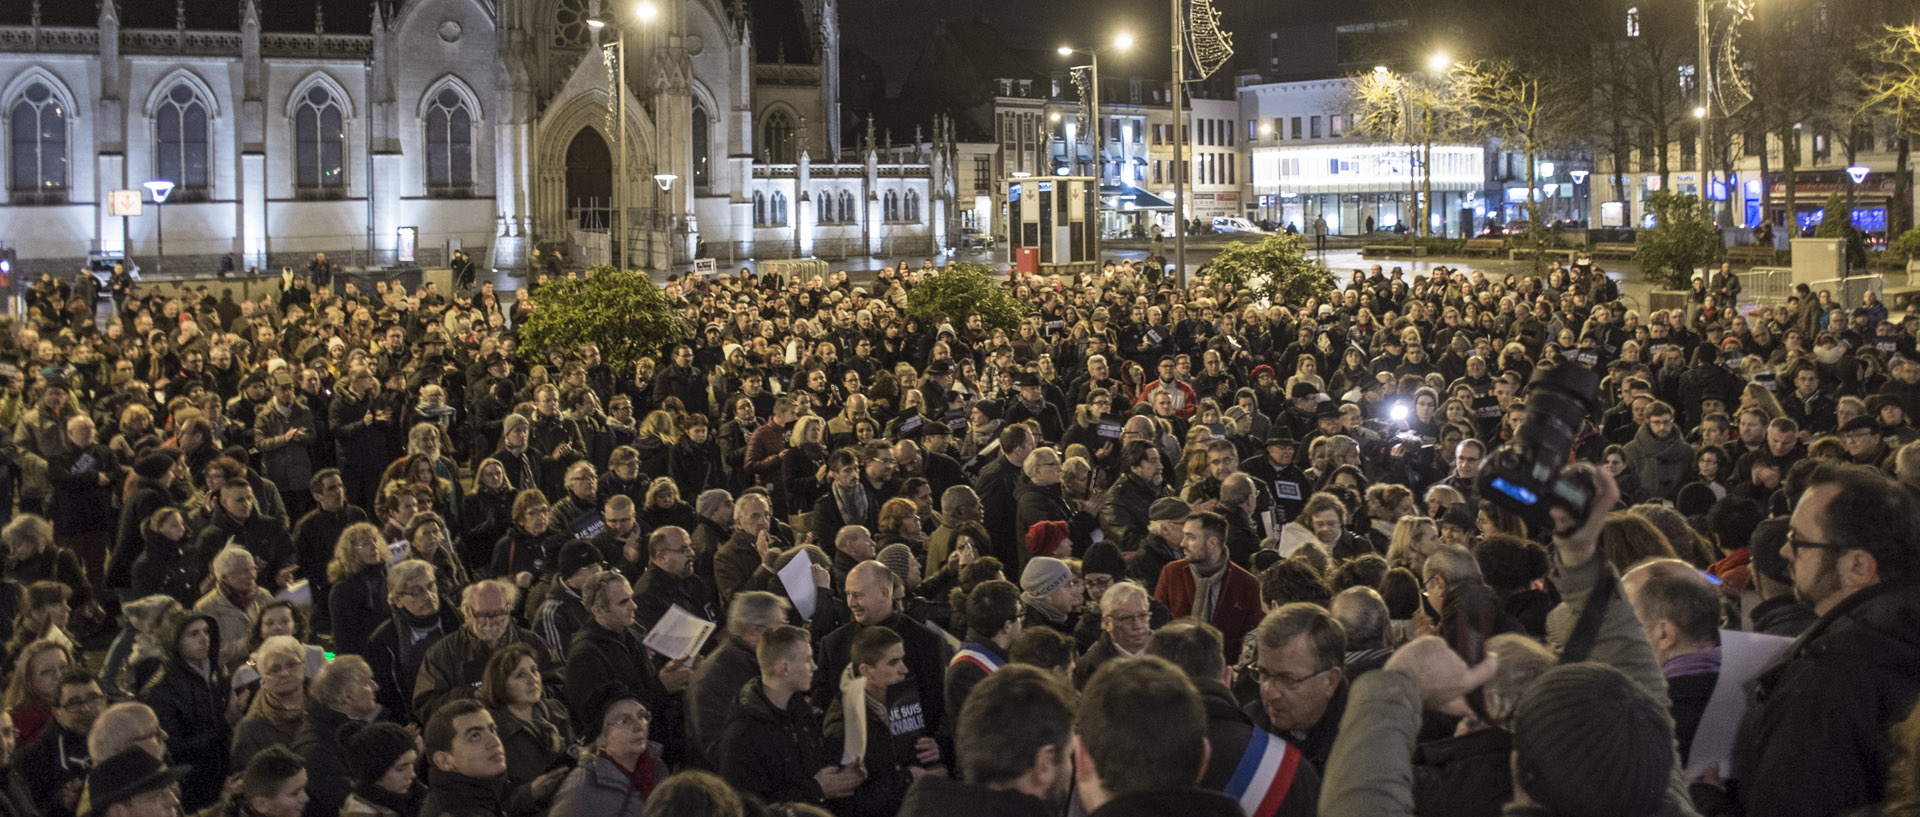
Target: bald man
1679,610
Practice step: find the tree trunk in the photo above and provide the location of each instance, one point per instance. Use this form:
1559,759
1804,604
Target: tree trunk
1766,182
1789,162
1902,188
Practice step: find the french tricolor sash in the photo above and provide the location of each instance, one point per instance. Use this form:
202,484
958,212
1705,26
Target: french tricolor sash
1264,775
977,656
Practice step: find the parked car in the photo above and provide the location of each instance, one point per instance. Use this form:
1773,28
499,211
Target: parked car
1235,224
971,240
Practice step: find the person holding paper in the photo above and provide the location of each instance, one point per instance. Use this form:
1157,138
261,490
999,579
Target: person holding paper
669,580
895,753
608,649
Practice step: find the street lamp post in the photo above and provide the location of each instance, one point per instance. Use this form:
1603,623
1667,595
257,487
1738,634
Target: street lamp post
1435,64
161,189
646,12
1855,175
1094,122
1178,77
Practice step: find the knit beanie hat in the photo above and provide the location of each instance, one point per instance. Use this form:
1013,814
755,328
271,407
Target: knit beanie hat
372,748
1103,558
512,422
153,465
1043,537
1587,742
1166,508
1044,574
898,558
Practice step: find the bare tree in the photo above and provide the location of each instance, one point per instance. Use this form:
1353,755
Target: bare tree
1889,87
1530,107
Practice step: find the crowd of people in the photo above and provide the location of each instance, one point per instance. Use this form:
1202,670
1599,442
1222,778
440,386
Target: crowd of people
1159,549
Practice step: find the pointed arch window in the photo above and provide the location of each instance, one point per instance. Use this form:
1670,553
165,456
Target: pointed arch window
37,147
847,211
759,209
890,206
825,200
779,208
180,141
779,138
913,205
702,155
449,146
320,139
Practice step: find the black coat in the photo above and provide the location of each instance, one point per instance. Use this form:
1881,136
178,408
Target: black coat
147,496
1229,732
162,569
192,708
45,767
695,467
264,537
1464,776
926,661
457,795
709,699
314,539
773,753
656,591
598,657
997,486
1192,802
358,603
945,797
1036,503
1123,518
318,742
395,667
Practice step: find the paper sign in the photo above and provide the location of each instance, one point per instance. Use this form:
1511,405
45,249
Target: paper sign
1742,656
300,593
1109,431
679,635
797,578
853,714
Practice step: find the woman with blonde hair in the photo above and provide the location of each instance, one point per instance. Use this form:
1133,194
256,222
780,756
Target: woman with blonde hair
664,507
1757,396
657,434
275,713
358,599
31,688
1414,539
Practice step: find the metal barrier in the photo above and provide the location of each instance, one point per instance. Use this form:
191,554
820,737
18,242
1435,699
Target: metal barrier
1765,286
1851,292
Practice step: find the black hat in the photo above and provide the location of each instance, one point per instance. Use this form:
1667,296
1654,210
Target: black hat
1327,410
940,368
598,702
1026,380
1103,558
1281,437
153,465
989,408
494,359
372,748
1302,391
577,554
1859,424
127,775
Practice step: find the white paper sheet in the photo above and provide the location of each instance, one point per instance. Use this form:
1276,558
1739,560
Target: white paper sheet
300,593
853,714
1742,656
797,578
679,635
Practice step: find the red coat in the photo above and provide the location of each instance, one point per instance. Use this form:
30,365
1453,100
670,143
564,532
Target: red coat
1237,612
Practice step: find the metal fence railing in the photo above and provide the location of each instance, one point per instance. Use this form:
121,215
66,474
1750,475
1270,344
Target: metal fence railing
1851,292
1765,286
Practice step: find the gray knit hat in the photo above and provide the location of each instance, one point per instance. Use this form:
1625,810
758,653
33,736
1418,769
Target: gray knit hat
898,558
1044,574
1588,742
512,422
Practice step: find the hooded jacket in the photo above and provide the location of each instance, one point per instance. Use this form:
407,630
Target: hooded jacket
1661,464
773,753
192,708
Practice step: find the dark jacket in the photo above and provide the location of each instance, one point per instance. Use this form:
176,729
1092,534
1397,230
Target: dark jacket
1186,802
454,666
709,699
926,659
656,591
146,497
162,569
886,760
997,486
46,766
1821,711
773,753
1464,776
695,467
733,564
329,780
961,676
1230,733
945,797
1047,503
358,603
192,708
457,795
1124,516
599,657
264,537
1317,743
532,748
396,663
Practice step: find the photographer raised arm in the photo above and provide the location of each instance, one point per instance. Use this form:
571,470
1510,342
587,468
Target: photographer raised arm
1590,737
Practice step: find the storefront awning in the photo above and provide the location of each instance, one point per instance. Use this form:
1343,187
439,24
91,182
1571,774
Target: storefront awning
1128,197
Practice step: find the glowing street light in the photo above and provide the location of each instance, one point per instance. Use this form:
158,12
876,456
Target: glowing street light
160,189
1439,61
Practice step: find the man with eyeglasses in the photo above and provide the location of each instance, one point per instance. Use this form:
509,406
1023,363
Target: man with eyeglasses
1298,663
452,668
55,766
1041,498
669,580
1822,711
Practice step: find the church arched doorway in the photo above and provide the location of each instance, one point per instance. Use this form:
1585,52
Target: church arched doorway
589,181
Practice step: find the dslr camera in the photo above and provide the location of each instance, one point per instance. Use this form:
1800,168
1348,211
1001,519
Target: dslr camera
1528,475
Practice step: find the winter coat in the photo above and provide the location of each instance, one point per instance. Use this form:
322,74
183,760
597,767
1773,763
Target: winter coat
163,570
1230,733
318,742
192,708
532,748
886,761
773,753
926,660
710,696
145,497
454,666
998,487
450,794
485,517
288,462
1123,518
598,657
1661,464
695,467
1236,612
395,667
234,621
1822,710
264,537
597,788
1035,503
358,603
81,504
656,591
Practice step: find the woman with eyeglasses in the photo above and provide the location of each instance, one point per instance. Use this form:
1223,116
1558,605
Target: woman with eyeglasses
623,767
31,688
274,716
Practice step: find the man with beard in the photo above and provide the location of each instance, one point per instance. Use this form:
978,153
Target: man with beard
1124,516
1014,743
1821,711
1208,586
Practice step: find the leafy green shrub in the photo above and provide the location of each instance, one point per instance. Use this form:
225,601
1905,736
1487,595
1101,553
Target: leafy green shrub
1683,238
627,314
1278,269
1833,222
964,289
1907,246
